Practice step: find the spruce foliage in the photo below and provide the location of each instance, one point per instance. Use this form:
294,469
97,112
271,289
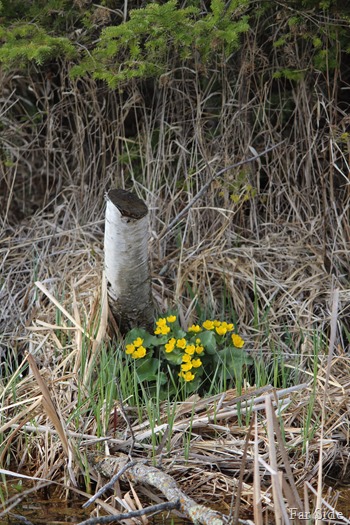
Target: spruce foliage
142,46
153,38
34,32
24,43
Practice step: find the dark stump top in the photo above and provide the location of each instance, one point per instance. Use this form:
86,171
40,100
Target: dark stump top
128,203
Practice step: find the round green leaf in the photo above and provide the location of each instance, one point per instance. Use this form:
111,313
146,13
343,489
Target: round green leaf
174,357
134,334
208,340
148,369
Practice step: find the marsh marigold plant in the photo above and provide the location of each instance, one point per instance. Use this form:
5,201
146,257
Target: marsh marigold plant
187,356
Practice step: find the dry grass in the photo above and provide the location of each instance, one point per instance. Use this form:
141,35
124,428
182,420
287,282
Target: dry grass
274,257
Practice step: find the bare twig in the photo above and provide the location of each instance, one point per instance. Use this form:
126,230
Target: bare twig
110,484
207,185
161,507
14,501
21,519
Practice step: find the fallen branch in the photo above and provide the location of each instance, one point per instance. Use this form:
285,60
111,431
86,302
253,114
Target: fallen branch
140,473
161,507
110,484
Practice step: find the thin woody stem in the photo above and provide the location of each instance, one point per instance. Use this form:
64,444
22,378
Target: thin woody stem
208,183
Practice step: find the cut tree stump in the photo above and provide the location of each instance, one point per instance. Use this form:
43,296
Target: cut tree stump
126,260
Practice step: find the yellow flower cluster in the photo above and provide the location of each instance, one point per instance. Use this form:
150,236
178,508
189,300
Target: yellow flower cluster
188,360
188,348
220,327
162,327
135,349
188,351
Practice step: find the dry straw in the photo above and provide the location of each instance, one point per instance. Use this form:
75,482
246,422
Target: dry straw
268,241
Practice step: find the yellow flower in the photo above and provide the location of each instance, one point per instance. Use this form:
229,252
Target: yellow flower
187,376
162,330
186,366
228,326
237,340
129,349
138,342
181,343
171,318
190,349
221,330
141,352
196,363
198,341
217,323
169,347
208,325
195,328
161,321
199,349
186,358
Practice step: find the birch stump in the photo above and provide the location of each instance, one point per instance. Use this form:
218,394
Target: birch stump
126,260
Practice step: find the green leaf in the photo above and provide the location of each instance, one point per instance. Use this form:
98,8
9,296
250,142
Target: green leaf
150,340
148,370
233,360
193,386
208,340
174,357
178,333
161,339
162,378
134,334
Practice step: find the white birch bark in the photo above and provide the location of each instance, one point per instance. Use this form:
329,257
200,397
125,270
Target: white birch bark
126,260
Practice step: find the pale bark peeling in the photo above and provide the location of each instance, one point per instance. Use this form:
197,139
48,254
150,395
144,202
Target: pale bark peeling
167,485
126,260
144,474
